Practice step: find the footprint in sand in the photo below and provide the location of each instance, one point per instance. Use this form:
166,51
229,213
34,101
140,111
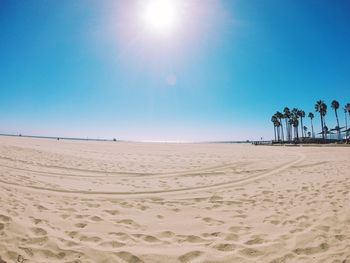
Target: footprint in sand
128,223
340,237
323,228
231,237
80,225
41,208
121,236
112,244
80,216
72,234
312,250
93,205
192,239
190,256
39,231
214,234
92,239
211,221
238,229
166,234
225,247
112,212
4,218
283,259
65,216
255,241
128,257
251,252
36,221
96,218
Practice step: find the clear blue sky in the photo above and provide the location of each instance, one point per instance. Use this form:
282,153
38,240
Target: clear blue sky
92,69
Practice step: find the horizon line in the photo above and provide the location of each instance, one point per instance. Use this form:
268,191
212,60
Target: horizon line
119,140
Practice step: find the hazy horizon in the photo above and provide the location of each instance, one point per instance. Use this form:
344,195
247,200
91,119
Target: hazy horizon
180,71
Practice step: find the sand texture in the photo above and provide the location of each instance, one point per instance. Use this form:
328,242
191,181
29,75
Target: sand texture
85,201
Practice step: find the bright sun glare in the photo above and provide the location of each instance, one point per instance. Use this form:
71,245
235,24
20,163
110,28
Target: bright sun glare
160,15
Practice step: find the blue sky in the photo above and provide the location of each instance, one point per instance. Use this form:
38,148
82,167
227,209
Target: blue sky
91,69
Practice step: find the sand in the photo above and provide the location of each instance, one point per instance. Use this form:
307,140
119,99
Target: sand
85,201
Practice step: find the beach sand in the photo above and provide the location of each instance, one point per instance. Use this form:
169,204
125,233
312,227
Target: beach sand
87,201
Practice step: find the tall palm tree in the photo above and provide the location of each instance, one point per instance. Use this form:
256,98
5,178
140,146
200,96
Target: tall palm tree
346,110
311,116
280,116
301,114
295,122
335,107
290,123
286,112
278,125
274,120
296,129
346,123
321,107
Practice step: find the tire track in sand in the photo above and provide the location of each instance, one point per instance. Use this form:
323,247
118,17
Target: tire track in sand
232,183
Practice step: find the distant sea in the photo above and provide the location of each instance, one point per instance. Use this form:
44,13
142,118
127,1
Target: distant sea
111,140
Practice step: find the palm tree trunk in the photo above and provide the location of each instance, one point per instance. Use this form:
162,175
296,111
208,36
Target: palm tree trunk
287,132
297,130
346,126
302,127
312,128
336,115
347,133
274,129
282,133
294,134
322,126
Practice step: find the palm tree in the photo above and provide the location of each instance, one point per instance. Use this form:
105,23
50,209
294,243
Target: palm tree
301,114
296,129
274,120
311,116
321,107
280,116
295,122
278,125
290,123
286,112
346,110
335,107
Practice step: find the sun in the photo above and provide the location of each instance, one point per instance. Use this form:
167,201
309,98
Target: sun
160,15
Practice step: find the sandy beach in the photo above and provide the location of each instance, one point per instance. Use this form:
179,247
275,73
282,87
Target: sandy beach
86,201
